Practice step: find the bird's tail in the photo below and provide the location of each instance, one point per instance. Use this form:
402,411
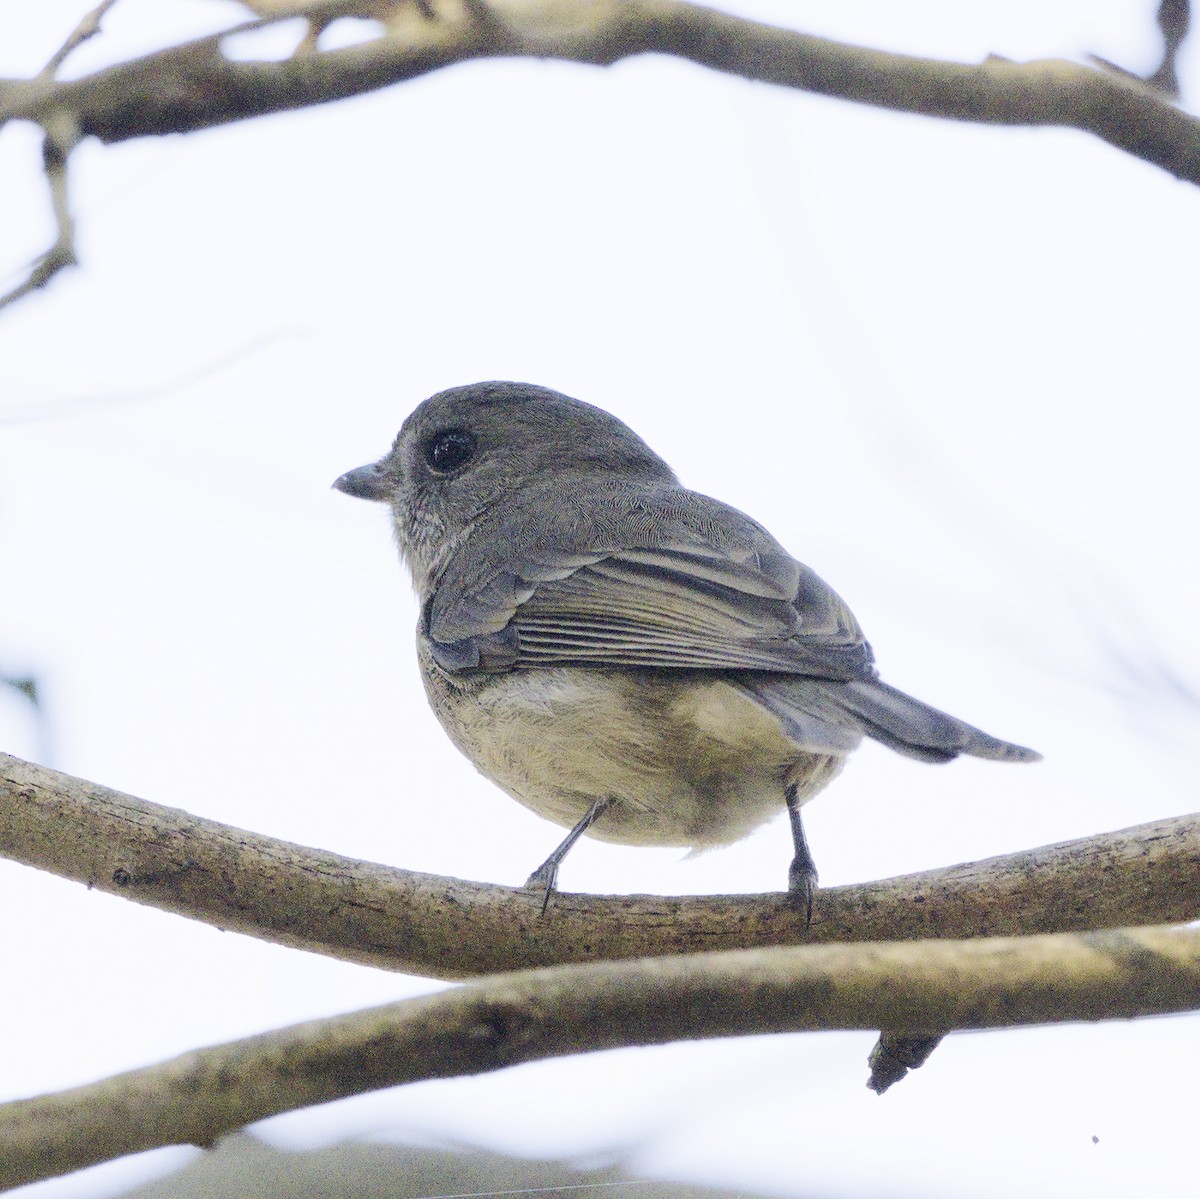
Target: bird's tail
913,728
827,716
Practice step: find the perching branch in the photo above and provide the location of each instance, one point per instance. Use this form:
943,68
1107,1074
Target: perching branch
501,1021
447,928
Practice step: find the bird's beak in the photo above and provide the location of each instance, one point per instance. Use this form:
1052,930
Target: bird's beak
367,483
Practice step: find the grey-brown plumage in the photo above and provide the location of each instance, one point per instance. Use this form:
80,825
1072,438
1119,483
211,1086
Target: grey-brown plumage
622,655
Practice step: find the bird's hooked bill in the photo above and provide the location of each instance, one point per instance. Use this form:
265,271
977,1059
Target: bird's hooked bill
366,483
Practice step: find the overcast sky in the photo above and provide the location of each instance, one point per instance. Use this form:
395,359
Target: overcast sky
950,367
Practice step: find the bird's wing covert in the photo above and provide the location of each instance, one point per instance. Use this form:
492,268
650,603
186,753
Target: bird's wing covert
648,577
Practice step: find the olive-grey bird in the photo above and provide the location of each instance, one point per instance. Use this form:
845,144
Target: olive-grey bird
625,657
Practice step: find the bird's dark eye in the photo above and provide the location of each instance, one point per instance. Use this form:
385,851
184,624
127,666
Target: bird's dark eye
450,450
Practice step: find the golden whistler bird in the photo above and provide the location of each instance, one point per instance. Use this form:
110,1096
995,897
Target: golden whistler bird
627,658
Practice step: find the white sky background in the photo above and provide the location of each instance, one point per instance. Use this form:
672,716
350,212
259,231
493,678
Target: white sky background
950,367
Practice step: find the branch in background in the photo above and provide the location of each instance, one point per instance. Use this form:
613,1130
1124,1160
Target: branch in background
194,86
320,14
1174,17
27,685
88,27
446,928
31,688
501,1021
61,137
41,411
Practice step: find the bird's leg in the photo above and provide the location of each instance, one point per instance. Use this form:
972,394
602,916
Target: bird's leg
802,873
546,875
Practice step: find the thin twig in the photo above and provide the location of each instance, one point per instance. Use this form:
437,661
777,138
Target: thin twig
447,928
1174,17
501,1021
65,407
61,137
88,27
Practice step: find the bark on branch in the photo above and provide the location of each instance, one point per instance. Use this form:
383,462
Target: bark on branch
448,928
501,1021
194,86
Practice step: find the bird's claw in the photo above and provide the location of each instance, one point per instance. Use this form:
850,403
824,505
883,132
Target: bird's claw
802,886
544,879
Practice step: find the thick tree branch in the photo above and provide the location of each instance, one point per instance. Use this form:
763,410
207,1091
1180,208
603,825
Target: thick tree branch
501,1021
194,86
447,928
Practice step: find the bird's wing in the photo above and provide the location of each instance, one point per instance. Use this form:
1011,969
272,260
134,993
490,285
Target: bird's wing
658,577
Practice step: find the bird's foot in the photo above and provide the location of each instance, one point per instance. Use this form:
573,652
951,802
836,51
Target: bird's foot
802,886
544,879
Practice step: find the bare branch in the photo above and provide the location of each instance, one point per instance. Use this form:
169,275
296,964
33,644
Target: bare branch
62,135
193,86
447,928
1174,18
501,1021
88,27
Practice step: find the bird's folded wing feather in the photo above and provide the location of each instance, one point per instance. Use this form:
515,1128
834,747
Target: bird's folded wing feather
669,579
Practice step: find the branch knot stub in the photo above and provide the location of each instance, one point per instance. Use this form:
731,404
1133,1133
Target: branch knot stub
502,1029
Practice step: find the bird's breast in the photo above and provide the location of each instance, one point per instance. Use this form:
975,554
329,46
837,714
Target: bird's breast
685,757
